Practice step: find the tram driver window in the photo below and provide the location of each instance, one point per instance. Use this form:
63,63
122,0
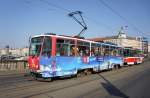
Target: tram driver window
47,47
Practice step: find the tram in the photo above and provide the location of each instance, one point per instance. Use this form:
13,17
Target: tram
52,55
131,57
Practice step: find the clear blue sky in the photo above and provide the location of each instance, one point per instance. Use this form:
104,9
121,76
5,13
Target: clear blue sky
21,18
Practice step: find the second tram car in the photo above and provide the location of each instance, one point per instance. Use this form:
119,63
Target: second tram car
131,57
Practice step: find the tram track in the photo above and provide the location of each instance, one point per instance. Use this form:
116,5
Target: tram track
19,83
133,78
78,84
34,88
40,88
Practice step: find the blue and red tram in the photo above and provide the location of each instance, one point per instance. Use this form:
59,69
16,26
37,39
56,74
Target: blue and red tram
54,56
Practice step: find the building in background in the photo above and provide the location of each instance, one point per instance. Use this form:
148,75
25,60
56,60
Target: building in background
144,44
139,43
15,52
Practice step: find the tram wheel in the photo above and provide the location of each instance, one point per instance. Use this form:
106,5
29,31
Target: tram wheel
80,74
88,72
48,79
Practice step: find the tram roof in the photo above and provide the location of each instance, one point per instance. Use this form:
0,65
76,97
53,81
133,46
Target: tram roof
66,37
73,38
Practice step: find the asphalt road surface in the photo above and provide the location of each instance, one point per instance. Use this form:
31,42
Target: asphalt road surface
127,82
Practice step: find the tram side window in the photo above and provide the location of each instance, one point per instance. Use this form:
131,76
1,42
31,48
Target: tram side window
113,51
102,50
83,48
95,50
64,47
119,52
99,51
107,50
127,52
47,46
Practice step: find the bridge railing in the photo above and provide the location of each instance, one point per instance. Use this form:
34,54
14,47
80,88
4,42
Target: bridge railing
13,65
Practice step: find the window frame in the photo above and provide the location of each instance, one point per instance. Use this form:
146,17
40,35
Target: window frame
67,52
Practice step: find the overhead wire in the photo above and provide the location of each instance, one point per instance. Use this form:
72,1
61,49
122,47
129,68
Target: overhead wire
56,6
99,23
122,17
29,2
89,18
68,11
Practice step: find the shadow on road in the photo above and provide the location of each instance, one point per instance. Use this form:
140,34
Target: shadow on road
111,89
